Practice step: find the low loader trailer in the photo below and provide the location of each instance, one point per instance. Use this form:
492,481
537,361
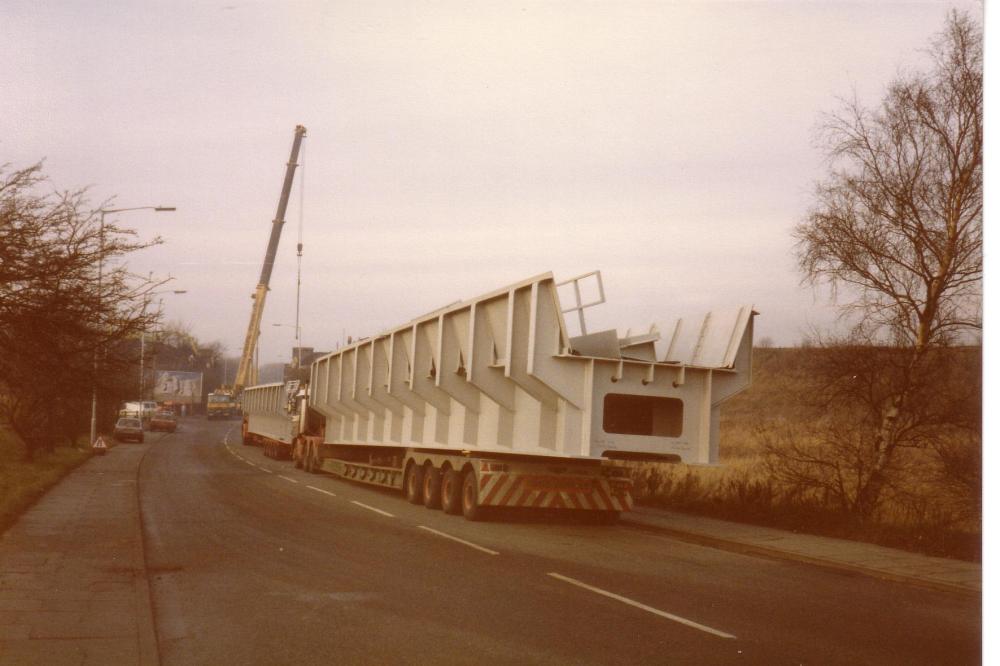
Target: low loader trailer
491,402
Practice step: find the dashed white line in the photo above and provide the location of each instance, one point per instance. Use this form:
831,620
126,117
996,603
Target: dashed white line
461,541
636,604
320,490
287,478
371,508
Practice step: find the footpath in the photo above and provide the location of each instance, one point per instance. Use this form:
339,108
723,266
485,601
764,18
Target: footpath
863,558
73,587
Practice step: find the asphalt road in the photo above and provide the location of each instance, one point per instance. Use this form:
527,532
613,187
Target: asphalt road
255,562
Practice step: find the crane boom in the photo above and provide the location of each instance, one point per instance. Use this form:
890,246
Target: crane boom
260,293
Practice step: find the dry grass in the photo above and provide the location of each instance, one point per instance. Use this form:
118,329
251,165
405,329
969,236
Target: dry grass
919,513
22,483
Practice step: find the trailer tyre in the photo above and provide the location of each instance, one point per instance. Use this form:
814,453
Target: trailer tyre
470,498
413,484
313,463
432,487
451,492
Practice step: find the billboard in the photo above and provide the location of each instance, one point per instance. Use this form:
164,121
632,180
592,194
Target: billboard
178,387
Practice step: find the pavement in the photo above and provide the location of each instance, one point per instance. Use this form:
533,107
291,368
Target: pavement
863,558
74,588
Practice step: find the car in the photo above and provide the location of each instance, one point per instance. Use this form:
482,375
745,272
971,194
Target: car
129,429
163,419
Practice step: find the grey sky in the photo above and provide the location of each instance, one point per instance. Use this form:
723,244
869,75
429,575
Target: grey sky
453,147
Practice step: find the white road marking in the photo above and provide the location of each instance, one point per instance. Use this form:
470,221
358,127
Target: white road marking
287,478
461,541
320,490
371,508
636,604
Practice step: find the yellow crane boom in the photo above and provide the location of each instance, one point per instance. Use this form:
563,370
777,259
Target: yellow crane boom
245,374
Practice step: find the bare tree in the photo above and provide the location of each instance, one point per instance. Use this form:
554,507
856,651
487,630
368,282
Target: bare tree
65,295
896,232
898,221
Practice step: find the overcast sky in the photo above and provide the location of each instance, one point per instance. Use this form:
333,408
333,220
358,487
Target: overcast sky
452,148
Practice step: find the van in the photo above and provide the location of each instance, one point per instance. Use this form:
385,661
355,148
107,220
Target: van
138,409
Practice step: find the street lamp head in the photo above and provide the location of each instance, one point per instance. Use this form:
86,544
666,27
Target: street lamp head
161,209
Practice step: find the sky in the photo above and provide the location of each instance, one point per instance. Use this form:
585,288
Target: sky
452,148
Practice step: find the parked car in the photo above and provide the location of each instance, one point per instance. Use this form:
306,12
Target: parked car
128,429
163,419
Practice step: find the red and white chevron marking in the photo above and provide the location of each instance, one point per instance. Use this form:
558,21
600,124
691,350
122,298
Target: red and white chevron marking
553,492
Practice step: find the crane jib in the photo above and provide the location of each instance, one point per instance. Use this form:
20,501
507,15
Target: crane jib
279,216
243,373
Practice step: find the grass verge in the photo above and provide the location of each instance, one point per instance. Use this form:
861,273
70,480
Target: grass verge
922,509
742,492
23,483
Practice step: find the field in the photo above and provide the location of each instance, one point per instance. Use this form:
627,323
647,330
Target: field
22,483
921,511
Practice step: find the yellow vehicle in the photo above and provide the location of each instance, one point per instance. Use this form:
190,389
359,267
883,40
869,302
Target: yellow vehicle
221,404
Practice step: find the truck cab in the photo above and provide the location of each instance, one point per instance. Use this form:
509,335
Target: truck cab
221,403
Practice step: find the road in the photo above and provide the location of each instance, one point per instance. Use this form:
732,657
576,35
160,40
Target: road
253,561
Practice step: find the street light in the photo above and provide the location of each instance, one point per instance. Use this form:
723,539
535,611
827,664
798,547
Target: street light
100,276
142,337
298,342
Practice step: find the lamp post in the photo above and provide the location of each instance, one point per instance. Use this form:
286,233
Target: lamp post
142,338
100,276
298,342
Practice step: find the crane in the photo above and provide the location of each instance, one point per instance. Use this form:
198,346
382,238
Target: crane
243,374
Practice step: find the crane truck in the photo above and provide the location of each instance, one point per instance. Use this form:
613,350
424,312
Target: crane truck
490,402
221,404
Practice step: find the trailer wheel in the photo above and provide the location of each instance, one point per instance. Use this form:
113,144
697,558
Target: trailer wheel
307,461
451,492
313,462
470,498
432,487
413,483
